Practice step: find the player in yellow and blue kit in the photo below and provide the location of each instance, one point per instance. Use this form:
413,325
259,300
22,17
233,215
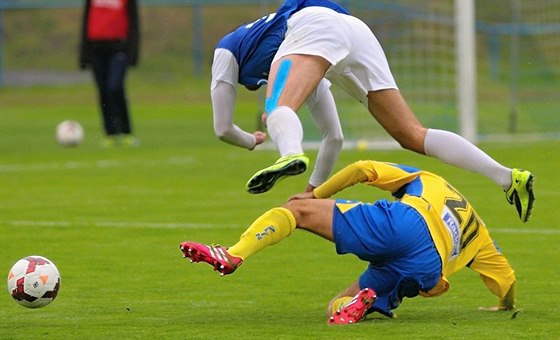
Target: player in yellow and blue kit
412,244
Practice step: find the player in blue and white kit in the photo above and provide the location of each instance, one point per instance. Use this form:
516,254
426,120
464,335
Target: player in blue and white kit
244,57
322,42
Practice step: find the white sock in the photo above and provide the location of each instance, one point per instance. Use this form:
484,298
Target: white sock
453,149
285,130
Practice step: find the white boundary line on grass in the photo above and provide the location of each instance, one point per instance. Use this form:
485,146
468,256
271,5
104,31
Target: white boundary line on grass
158,225
524,231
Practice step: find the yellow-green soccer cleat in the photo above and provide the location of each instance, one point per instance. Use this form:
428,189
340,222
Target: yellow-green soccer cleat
130,141
265,179
520,193
110,142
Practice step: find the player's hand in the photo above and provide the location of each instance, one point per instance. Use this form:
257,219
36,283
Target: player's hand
302,196
309,188
502,309
260,137
263,119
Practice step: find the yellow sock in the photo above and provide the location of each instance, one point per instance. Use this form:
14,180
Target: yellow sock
271,227
340,302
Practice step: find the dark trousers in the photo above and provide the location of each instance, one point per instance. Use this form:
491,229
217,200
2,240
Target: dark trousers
109,70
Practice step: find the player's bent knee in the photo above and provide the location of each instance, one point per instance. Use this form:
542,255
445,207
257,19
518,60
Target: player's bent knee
304,211
295,207
411,145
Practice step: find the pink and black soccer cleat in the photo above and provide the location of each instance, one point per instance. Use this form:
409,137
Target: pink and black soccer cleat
215,255
355,310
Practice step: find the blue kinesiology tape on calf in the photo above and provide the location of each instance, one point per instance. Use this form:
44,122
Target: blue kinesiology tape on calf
281,77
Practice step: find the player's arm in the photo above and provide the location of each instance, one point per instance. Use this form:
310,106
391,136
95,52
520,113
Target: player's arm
347,177
385,176
504,304
223,92
497,275
508,301
223,102
322,108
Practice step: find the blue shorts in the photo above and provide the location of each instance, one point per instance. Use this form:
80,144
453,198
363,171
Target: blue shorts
395,240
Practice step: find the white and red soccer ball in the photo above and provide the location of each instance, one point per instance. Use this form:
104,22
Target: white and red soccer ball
34,281
69,133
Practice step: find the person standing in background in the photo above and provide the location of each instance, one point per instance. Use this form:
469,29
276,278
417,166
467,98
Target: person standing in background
109,45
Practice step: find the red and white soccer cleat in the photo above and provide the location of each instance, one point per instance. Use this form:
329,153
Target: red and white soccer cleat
355,310
215,255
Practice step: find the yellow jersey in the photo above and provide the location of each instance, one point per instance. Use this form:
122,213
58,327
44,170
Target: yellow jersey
458,232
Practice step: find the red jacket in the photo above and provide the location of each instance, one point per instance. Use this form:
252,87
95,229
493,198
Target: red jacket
110,26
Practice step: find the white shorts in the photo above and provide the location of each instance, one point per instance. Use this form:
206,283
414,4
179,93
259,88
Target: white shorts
358,62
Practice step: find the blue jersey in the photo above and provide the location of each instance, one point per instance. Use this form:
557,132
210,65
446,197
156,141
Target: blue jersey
255,44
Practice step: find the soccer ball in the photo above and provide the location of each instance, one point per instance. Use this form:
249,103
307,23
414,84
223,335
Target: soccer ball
69,133
33,281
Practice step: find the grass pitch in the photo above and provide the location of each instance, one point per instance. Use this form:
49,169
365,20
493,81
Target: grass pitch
112,220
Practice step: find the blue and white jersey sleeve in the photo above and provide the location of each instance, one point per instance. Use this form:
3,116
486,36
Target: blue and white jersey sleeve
224,68
222,92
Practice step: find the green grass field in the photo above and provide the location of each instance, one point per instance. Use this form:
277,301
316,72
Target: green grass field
112,220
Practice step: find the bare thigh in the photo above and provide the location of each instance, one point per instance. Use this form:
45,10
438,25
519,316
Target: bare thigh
305,74
395,116
314,215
